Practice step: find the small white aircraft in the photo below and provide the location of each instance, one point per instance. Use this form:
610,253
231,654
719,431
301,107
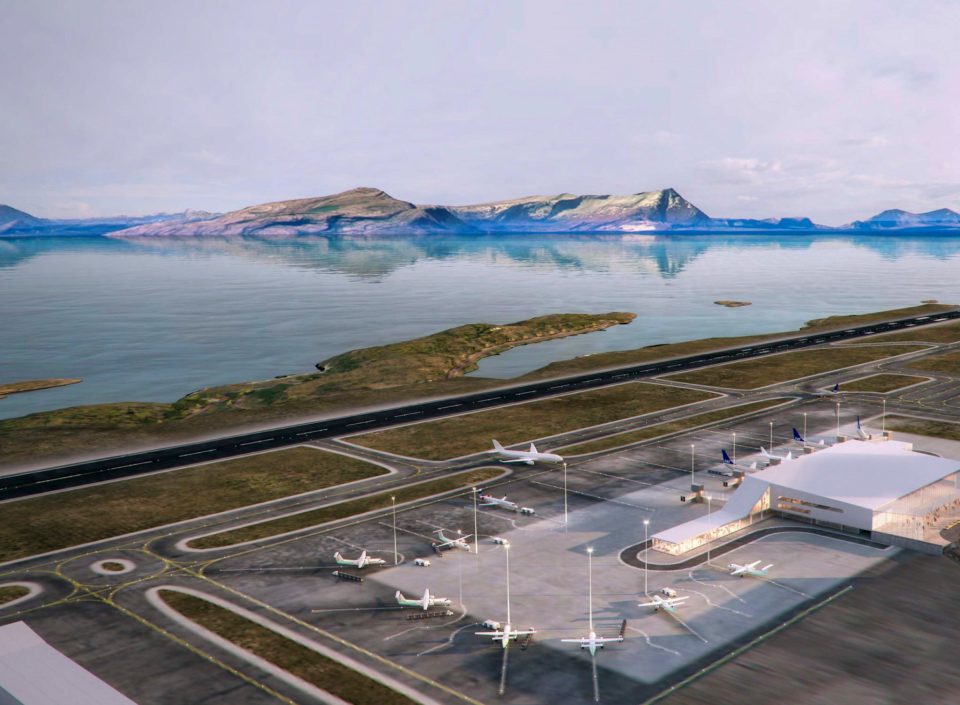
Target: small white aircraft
424,603
861,434
525,456
488,500
750,569
592,641
459,542
360,562
667,604
505,633
771,456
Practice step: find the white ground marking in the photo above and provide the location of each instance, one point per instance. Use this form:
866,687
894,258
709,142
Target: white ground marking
650,641
727,590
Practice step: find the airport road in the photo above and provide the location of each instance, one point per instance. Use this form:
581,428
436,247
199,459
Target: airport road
77,474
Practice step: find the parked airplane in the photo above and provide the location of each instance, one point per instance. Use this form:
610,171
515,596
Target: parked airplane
525,456
459,542
487,500
506,633
592,641
749,569
360,562
740,466
800,439
425,602
667,604
861,434
771,456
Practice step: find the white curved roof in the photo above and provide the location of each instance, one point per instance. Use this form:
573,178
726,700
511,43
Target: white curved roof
866,474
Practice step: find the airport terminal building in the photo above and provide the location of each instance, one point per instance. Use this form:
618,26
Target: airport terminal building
880,488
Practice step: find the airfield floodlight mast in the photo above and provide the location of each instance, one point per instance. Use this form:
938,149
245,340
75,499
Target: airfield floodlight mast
460,566
646,552
565,495
692,475
476,536
804,428
771,436
838,419
590,584
734,447
396,556
709,498
883,418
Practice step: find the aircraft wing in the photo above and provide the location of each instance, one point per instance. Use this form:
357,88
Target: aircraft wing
607,639
581,640
521,632
496,634
649,604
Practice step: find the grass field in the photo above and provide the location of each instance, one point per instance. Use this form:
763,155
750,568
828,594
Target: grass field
948,364
50,522
303,520
661,429
924,427
291,656
751,374
9,593
882,383
472,433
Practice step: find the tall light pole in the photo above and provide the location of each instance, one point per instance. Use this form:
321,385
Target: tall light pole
883,418
646,551
507,549
708,523
692,476
804,429
734,447
476,536
565,519
771,436
590,584
838,419
396,556
460,566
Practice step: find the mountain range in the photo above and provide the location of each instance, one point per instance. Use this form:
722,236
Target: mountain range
370,211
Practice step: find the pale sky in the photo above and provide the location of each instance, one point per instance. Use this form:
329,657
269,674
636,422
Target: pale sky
831,109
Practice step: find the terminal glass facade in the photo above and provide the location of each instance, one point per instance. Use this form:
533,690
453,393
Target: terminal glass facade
915,513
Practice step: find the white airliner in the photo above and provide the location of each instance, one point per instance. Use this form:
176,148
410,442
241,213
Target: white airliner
459,542
525,456
425,602
861,434
487,500
771,456
750,569
360,562
506,633
667,604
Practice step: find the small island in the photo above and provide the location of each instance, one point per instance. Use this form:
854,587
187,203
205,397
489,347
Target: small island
32,385
730,303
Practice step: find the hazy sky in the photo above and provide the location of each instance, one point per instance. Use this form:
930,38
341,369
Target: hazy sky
833,109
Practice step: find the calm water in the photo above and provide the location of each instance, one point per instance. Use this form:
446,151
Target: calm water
154,321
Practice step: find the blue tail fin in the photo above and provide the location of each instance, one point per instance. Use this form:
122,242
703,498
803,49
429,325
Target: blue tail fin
797,436
836,388
726,458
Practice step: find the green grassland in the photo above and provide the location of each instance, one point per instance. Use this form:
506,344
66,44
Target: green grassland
50,522
9,593
343,510
471,433
424,368
32,385
924,427
759,372
294,658
662,429
882,383
948,363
